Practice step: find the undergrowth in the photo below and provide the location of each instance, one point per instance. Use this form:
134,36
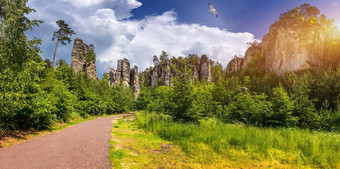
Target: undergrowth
297,147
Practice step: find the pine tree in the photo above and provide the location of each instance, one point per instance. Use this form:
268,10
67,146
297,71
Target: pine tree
63,35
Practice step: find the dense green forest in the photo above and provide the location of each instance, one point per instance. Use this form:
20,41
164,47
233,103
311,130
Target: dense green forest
306,99
33,94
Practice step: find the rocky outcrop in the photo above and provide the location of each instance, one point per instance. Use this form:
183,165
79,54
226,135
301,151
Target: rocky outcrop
299,40
123,72
80,63
290,47
251,52
163,73
154,76
238,63
205,69
135,81
166,74
112,77
194,65
128,77
235,64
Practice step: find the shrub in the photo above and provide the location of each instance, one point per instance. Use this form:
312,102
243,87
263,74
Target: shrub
282,110
249,109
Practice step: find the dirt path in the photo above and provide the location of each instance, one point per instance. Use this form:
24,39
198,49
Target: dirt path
84,145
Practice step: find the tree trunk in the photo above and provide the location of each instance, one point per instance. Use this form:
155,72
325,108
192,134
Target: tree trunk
55,50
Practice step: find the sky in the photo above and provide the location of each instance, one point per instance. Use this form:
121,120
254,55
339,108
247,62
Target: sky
139,29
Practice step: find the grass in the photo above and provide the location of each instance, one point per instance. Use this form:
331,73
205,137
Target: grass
16,137
133,148
212,143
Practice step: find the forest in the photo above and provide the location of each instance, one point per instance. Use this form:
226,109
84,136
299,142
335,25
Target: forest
34,94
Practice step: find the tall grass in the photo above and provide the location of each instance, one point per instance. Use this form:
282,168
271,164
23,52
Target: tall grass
289,146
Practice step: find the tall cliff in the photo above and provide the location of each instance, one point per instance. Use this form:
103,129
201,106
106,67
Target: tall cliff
81,59
126,75
292,45
301,39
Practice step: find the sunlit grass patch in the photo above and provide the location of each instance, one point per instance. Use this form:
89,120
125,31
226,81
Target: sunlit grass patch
133,148
136,148
214,143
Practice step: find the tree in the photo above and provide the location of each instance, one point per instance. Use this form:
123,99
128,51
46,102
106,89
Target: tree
62,63
15,47
91,55
63,35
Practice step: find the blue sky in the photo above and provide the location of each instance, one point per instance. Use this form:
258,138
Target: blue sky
138,30
254,16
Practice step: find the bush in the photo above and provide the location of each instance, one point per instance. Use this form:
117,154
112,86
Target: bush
43,108
122,98
144,99
249,109
180,102
160,99
282,110
202,104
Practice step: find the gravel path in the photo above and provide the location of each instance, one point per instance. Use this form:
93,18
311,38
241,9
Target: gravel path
85,145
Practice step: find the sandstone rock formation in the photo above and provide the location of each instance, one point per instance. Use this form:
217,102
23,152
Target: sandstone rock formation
154,76
235,64
123,71
135,81
166,74
205,69
238,63
80,63
299,40
112,77
290,47
162,73
251,52
129,77
194,65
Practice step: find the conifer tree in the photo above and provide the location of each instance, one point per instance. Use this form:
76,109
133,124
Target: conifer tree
63,35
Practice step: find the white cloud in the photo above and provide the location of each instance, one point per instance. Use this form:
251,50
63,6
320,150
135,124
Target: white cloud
335,4
82,3
139,40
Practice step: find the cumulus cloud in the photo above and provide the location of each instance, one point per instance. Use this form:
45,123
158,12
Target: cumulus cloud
106,24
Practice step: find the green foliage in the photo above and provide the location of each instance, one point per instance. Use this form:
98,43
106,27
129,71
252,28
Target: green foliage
282,112
63,35
202,104
15,48
249,109
144,98
306,99
122,98
159,99
32,94
293,146
181,101
90,54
